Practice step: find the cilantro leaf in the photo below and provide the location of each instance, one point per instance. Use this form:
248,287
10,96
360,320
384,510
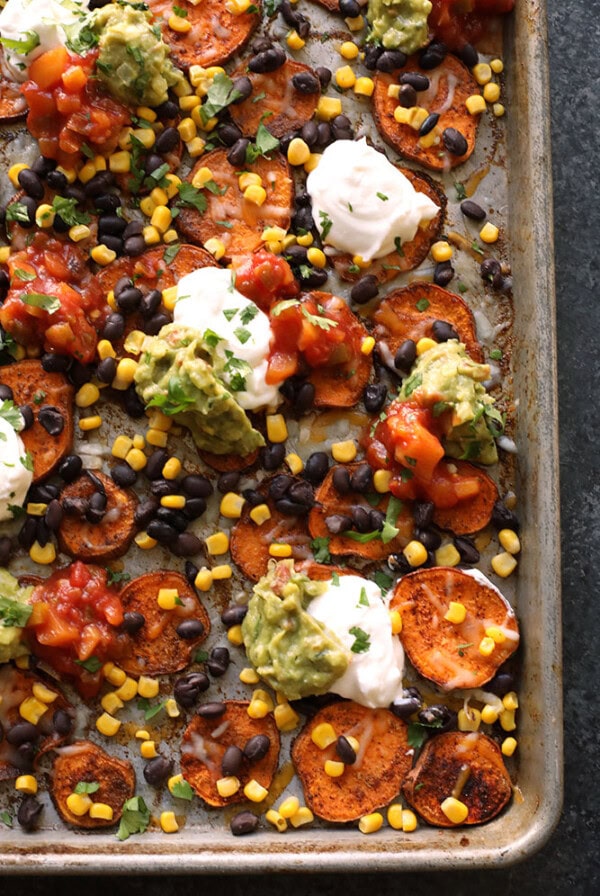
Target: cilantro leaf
150,710
13,612
211,338
182,790
382,580
135,818
11,413
248,313
6,818
200,656
326,224
66,209
422,305
86,787
17,211
242,334
51,304
230,313
335,579
24,45
390,530
92,664
320,548
264,143
461,193
171,253
409,385
27,461
219,95
271,7
190,197
318,320
113,578
176,401
280,307
496,354
362,537
362,640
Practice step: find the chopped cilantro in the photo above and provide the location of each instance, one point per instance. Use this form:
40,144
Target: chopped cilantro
422,305
211,338
12,612
264,143
382,580
248,313
398,246
135,818
280,307
190,197
150,710
496,354
363,600
11,413
220,94
27,461
226,224
182,790
171,253
383,197
175,401
476,247
17,211
230,313
200,656
461,193
93,664
362,640
271,7
320,548
114,578
335,579
86,787
66,209
411,383
180,11
317,320
390,530
242,334
326,224
24,45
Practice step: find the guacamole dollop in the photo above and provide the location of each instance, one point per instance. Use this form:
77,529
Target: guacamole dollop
399,24
14,613
133,60
176,374
447,380
291,651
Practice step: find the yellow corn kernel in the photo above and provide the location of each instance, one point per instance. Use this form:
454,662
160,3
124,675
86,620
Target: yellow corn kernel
4,256
364,86
441,251
334,768
224,571
43,555
190,102
276,428
312,162
107,725
168,821
510,701
161,218
416,553
381,481
125,138
237,7
182,89
102,255
349,50
344,452
249,179
491,92
26,784
394,816
146,136
409,821
371,823
498,110
228,786
456,613
417,116
345,77
248,675
232,505
128,689
105,350
42,693
255,792
144,541
509,541
496,634
475,104
507,720
497,66
169,297
277,820
503,564
126,369
301,817
454,810
367,345
216,247
305,239
14,171
167,598
101,810
87,424
110,703
151,235
119,162
218,543
255,194
69,173
158,420
430,139
172,468
294,41
401,114
171,708
121,446
202,177
187,129
279,550
44,215
146,113
289,807
113,674
173,182
489,714
142,734
323,735
508,746
87,395
148,687
295,465
234,635
174,502
328,107
482,73
355,23
265,697
447,555
148,749
79,804
486,646
489,233
316,257
469,719
285,717
36,509
424,344
204,579
147,206
179,24
396,622
173,781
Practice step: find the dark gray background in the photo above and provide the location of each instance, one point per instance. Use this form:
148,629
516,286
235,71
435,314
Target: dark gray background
570,863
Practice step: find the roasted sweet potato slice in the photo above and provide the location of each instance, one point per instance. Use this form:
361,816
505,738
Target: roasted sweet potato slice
249,543
228,463
329,502
12,102
110,537
238,222
15,687
451,83
468,766
216,34
157,649
283,108
409,313
31,385
473,514
383,759
85,762
204,744
153,271
413,252
445,652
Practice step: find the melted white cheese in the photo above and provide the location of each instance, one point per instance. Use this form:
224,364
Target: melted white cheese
20,19
362,203
15,478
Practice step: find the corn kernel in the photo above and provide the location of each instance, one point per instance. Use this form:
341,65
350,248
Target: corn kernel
489,233
249,179
102,255
486,646
276,428
231,505
148,687
87,395
87,424
187,103
128,689
204,579
417,116
496,634
179,24
424,344
277,820
447,555
69,173
475,104
218,543
113,674
349,50
334,768
489,714
503,564
508,746
216,247
144,541
454,810
394,816
285,717
482,73
491,92
255,194
301,817
4,256
305,239
224,571
312,162
416,553
355,23
101,810
409,821
79,804
121,447
173,781
401,114
381,481
510,701
280,550
22,662
202,176
26,784
249,676
430,139
344,452
323,735
123,379
441,251
168,821
146,136
509,541
294,41
396,622
456,613
148,749
105,350
174,502
295,465
171,708
255,792
172,468
234,635
345,77
367,345
196,146
469,719
371,823
14,171
147,206
107,725
110,703
264,697
161,218
328,107
142,734
44,215
167,598
507,720
289,807
498,110
187,129
316,257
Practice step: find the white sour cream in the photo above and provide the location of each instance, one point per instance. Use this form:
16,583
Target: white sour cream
374,676
15,478
364,200
207,300
47,18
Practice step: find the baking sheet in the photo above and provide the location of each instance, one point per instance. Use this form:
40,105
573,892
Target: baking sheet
209,847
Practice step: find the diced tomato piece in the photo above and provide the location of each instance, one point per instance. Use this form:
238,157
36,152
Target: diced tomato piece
264,278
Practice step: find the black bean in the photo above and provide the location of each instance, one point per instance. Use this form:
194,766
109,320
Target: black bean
25,755
96,508
43,166
302,493
106,370
409,703
272,456
349,8
443,331
229,133
188,688
466,548
6,393
156,462
167,111
374,397
306,83
267,60
211,710
398,563
153,162
407,98
345,750
167,141
27,415
243,86
57,180
31,183
361,518
309,134
187,545
233,615
489,268
42,532
75,506
228,482
190,629
257,747
372,54
291,508
29,812
134,245
503,518
253,497
418,82
439,716
111,224
405,356
55,363
162,532
341,480
109,202
114,327
303,219
443,273
30,206
53,515
315,279
196,486
99,184
232,761
80,373
216,669
52,420
469,55
237,154
429,123
423,514
316,467
62,722
500,684
337,523
157,770
123,475
5,550
221,655
243,823
21,733
361,479
115,243
364,289
391,60
194,508
429,538
133,622
454,142
162,487
324,75
472,210
305,397
376,519
150,303
155,323
173,517
279,485
433,55
121,285
133,404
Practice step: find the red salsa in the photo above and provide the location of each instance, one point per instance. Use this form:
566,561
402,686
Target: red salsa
457,22
264,278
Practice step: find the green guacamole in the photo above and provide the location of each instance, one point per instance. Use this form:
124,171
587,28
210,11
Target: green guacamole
399,24
447,380
175,374
133,61
292,652
13,609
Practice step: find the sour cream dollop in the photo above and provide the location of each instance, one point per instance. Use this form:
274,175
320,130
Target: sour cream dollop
20,20
362,203
355,610
208,301
15,478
